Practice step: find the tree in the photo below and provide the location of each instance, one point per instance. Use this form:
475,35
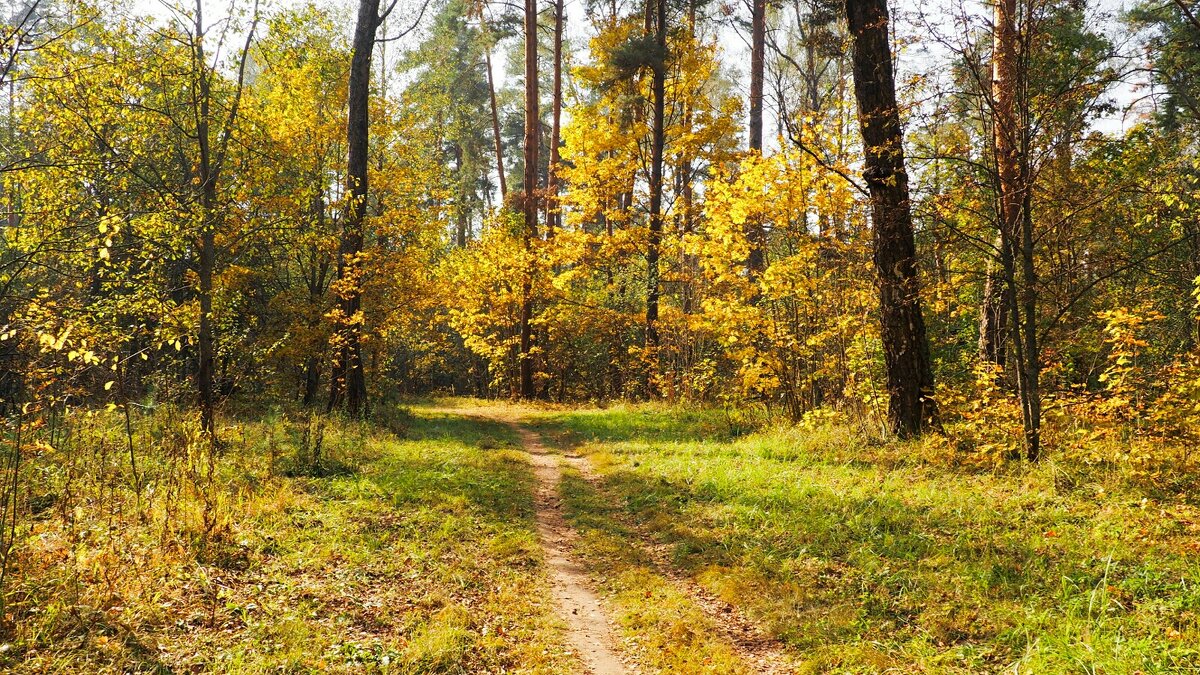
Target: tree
348,385
911,406
993,313
658,64
448,78
212,152
554,217
297,111
529,198
756,261
496,138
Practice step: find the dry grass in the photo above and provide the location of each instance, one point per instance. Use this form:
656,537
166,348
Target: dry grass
367,551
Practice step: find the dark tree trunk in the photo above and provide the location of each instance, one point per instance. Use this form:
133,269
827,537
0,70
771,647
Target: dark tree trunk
208,174
318,269
1011,139
687,194
993,318
312,380
554,216
349,386
206,343
658,141
1031,385
529,200
756,262
911,407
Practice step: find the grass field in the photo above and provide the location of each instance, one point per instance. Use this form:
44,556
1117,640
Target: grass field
861,561
404,553
408,545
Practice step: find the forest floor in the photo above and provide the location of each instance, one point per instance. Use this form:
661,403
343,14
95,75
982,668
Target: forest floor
473,537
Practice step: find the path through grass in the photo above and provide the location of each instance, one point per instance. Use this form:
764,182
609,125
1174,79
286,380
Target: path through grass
865,562
419,555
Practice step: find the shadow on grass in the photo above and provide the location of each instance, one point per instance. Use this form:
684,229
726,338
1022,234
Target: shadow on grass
451,462
835,567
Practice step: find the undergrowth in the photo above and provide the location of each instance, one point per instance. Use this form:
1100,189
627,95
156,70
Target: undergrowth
302,543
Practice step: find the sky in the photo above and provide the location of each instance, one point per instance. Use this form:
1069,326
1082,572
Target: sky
925,58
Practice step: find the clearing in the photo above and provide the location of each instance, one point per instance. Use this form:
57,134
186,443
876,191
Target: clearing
476,537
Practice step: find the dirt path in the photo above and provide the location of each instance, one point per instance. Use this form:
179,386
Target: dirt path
587,625
758,650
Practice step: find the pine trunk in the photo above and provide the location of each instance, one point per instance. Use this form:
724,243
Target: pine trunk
529,204
658,141
911,407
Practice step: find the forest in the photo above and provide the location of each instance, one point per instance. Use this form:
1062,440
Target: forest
600,336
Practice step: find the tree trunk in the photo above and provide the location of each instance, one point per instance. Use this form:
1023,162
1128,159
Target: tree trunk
658,141
1011,136
1031,389
1008,202
755,232
532,137
911,407
993,315
312,380
207,250
687,194
553,215
207,345
349,387
487,59
318,268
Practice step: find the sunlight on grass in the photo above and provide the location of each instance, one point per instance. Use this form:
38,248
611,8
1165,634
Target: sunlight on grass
658,621
418,554
863,559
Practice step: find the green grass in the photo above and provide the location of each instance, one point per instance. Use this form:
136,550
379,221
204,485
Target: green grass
408,545
659,622
410,553
864,561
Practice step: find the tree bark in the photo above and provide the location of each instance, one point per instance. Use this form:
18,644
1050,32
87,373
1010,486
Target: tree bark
553,215
911,407
1008,203
207,249
532,137
993,315
658,141
1015,228
349,387
209,165
755,231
